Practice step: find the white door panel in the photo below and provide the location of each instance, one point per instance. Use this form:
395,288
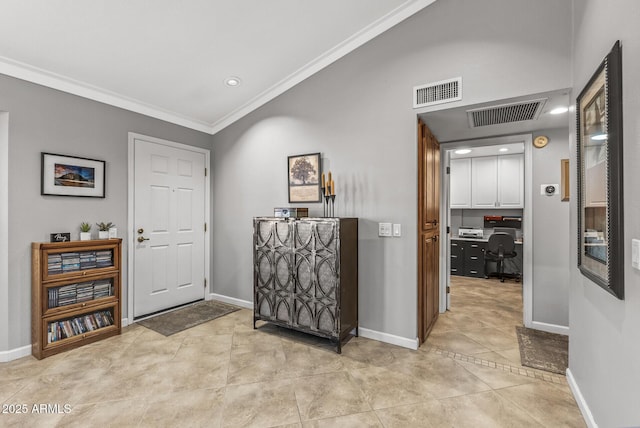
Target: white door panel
511,181
484,182
169,266
460,183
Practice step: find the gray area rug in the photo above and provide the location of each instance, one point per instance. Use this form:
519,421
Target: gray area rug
543,351
187,317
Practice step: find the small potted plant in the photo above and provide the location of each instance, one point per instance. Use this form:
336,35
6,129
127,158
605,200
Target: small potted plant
85,231
103,229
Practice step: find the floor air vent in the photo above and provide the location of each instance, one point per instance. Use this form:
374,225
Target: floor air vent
505,113
444,91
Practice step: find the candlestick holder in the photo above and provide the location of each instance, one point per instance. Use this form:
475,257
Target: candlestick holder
324,198
327,212
333,205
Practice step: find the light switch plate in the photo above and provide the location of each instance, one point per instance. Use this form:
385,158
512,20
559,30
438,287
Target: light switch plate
384,229
397,229
635,253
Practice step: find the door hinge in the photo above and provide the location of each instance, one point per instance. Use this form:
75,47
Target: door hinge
448,170
205,283
448,289
205,227
448,229
205,172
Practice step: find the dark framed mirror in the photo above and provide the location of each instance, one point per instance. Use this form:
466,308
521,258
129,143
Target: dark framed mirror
599,144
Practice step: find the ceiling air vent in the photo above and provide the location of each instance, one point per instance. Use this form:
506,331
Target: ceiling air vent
444,91
505,113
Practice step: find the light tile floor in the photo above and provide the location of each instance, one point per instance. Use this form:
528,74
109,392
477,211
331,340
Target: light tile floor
225,374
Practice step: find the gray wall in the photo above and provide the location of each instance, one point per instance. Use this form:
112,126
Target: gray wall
605,336
43,119
551,233
475,218
358,113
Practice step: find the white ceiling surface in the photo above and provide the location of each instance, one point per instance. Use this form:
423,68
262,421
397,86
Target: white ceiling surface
169,59
479,151
453,125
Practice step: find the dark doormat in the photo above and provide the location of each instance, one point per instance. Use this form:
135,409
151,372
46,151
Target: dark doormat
542,350
190,316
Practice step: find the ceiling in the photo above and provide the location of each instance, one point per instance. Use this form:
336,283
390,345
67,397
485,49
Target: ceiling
479,151
453,125
169,59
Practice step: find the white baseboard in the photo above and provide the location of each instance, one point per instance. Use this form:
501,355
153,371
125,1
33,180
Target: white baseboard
388,338
582,404
231,300
124,322
550,328
364,332
14,354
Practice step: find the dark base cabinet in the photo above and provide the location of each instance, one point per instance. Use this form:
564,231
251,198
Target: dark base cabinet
306,275
457,258
467,259
474,259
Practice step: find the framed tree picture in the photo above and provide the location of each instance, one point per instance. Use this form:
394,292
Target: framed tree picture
72,176
304,173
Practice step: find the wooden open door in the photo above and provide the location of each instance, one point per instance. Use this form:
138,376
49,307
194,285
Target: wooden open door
428,230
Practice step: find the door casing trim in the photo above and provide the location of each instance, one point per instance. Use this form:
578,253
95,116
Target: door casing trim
130,212
4,238
527,223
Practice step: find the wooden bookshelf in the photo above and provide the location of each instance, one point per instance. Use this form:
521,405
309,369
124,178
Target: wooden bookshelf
75,294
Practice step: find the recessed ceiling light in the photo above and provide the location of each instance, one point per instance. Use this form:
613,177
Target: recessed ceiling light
462,151
599,137
504,149
232,81
559,110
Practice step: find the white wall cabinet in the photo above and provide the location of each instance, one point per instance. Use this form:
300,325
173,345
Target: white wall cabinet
511,181
460,183
487,182
484,182
596,188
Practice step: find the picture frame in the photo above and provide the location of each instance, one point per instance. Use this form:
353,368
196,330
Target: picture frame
64,175
303,177
600,176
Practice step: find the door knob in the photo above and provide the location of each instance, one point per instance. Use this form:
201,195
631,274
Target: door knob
142,239
141,230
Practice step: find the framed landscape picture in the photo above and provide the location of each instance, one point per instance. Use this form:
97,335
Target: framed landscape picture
304,178
72,176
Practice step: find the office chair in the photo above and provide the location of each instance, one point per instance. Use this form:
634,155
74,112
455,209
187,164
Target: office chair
510,230
501,246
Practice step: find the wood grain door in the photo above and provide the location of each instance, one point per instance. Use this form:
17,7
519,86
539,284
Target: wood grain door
428,229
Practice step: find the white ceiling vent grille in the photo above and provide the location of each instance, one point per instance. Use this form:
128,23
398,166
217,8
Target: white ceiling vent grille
506,113
444,91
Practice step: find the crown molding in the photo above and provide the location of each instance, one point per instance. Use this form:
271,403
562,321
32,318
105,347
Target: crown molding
371,31
46,78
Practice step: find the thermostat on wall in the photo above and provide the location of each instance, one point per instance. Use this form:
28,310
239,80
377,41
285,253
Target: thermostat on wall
549,189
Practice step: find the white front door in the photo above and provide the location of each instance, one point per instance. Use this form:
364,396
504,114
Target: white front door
169,226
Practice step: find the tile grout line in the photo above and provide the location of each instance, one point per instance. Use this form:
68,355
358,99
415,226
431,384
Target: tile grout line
521,371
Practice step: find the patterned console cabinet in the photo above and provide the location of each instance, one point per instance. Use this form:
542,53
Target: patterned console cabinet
305,275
